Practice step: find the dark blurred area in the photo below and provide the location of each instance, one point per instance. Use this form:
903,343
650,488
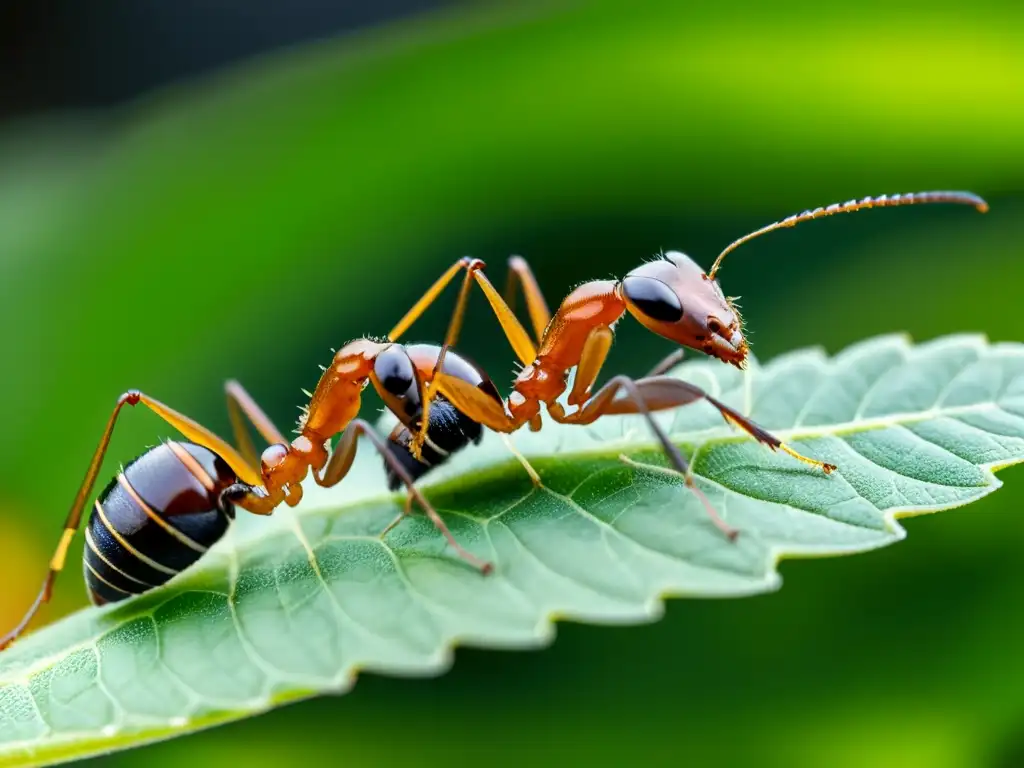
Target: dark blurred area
191,191
72,55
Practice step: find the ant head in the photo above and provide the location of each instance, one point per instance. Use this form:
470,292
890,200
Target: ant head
675,298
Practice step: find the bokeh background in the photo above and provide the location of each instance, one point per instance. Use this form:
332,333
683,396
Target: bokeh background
191,191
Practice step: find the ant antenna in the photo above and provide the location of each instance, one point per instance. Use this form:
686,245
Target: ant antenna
884,201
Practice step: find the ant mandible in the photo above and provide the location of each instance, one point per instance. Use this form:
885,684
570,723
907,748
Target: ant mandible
671,296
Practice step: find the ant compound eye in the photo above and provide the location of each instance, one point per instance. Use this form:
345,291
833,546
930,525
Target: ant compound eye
653,298
395,371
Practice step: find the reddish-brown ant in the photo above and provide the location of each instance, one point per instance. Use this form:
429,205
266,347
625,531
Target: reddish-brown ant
168,506
671,296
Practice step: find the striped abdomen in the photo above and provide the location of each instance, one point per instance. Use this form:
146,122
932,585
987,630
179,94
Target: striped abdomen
155,519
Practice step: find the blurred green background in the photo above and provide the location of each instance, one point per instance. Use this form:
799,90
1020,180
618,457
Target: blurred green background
240,221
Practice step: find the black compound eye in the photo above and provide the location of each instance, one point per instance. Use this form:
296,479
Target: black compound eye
653,298
395,371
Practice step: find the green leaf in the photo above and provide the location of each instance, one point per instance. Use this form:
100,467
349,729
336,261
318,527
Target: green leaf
297,604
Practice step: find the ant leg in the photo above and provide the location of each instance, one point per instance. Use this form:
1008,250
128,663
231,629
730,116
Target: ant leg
454,327
406,511
433,292
513,329
638,404
72,522
595,352
661,393
200,435
476,404
485,410
191,429
341,462
519,272
523,461
242,408
656,393
510,325
670,361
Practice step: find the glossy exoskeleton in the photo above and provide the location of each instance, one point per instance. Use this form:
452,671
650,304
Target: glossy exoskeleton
449,430
156,518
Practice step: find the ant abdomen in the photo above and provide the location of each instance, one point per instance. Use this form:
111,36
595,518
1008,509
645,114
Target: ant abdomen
448,429
448,432
156,518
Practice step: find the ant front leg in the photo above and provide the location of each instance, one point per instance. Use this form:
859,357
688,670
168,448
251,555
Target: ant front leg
656,393
600,405
519,272
341,462
662,393
665,392
653,394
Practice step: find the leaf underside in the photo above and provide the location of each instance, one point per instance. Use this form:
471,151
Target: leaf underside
297,604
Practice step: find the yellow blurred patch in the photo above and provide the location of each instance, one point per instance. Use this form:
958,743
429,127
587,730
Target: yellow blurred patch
24,563
25,558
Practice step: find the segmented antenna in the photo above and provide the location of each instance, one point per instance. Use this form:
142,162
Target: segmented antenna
883,201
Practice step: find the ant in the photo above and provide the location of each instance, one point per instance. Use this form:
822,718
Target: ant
169,505
671,296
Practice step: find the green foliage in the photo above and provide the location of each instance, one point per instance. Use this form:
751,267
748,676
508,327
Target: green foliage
298,604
